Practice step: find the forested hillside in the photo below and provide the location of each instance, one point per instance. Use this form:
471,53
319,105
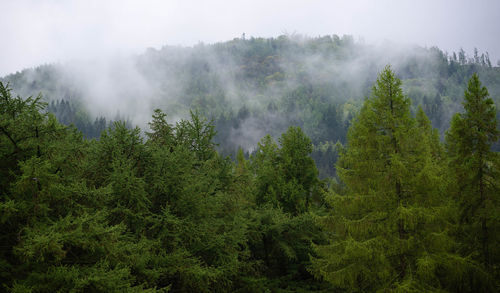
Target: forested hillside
167,212
253,87
258,165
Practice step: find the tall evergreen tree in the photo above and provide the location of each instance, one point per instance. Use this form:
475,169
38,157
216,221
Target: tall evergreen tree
475,167
388,227
299,170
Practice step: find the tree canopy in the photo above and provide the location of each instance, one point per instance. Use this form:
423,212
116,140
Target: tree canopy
166,209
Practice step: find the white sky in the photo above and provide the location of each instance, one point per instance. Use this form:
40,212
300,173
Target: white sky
37,32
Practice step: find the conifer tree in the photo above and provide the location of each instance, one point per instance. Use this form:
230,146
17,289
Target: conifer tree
286,176
476,172
268,179
389,225
299,170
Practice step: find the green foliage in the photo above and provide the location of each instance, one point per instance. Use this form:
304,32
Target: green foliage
165,211
286,177
268,179
391,221
475,171
281,245
299,170
83,216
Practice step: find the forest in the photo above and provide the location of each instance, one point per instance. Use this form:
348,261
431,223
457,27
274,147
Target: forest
266,165
250,87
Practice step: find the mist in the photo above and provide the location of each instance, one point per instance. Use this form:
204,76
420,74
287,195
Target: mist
219,80
119,59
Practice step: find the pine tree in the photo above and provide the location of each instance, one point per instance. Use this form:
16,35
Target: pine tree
269,180
286,176
476,172
299,170
389,226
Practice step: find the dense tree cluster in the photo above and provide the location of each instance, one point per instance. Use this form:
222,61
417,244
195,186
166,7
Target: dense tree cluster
161,212
67,114
165,211
400,221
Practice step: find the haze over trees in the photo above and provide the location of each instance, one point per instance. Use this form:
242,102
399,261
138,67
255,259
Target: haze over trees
362,178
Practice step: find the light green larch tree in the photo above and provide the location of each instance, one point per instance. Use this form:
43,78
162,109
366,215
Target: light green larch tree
476,173
389,225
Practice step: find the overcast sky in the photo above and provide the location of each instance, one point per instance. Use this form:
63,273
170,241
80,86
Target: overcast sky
43,31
